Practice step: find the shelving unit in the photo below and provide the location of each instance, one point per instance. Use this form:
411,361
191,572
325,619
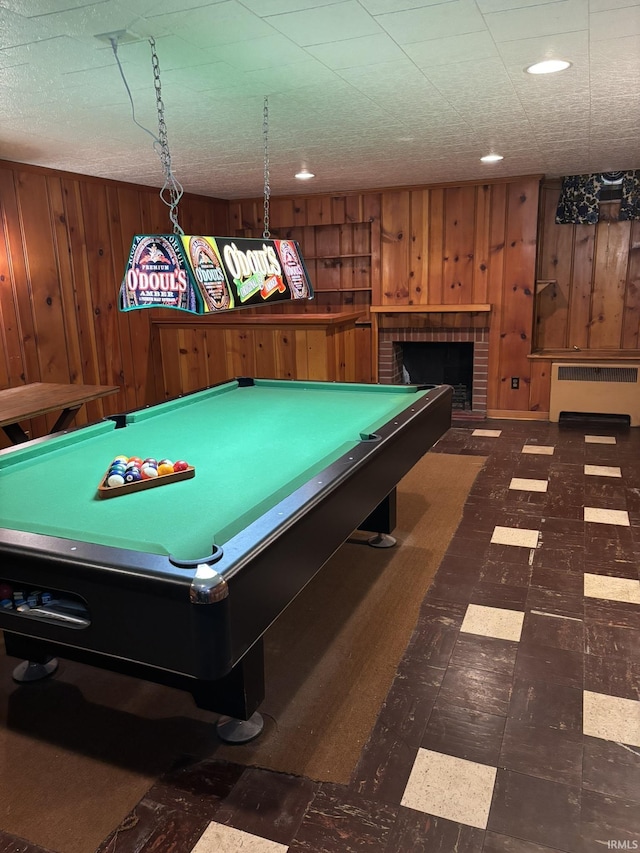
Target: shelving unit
341,258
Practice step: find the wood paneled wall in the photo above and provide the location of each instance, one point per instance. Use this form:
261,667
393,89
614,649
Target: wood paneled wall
446,245
339,236
205,351
64,241
588,293
466,245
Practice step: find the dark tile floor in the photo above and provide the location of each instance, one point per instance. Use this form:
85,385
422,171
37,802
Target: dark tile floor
513,723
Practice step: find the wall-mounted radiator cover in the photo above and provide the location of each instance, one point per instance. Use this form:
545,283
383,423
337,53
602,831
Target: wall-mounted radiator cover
597,389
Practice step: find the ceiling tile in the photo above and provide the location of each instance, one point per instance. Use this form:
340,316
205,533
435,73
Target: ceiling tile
446,51
614,23
562,16
358,52
345,20
433,22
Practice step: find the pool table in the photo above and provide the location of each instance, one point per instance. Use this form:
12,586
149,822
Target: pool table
178,583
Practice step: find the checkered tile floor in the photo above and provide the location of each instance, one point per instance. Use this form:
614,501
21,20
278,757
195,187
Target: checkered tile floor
513,725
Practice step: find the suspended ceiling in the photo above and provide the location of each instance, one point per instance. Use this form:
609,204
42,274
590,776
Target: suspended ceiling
364,93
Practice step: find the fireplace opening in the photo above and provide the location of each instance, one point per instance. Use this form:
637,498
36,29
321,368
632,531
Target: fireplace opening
441,363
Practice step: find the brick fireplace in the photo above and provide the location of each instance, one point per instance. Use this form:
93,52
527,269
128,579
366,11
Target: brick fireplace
390,358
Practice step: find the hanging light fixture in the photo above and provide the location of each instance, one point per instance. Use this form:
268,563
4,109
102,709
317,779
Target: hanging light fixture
203,274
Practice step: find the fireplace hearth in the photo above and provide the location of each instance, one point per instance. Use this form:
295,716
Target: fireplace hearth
456,357
440,363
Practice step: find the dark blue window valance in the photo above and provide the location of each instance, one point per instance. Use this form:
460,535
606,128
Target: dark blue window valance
579,202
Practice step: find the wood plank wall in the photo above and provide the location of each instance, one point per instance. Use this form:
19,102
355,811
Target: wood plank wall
589,281
466,245
445,245
203,351
64,241
339,236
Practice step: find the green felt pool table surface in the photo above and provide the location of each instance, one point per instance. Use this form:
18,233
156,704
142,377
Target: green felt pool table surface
251,447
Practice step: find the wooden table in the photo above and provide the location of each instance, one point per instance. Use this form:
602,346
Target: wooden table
39,398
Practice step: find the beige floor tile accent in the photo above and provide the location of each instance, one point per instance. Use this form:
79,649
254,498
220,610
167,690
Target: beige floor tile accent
600,439
487,433
612,589
493,622
606,516
524,485
515,536
611,718
602,471
452,788
218,838
544,449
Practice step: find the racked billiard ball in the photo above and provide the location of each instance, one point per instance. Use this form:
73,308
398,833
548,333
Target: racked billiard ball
180,465
132,475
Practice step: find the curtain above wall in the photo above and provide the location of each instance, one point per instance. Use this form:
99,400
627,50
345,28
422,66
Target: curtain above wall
579,202
630,204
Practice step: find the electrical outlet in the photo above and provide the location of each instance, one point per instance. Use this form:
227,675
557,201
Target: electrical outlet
515,382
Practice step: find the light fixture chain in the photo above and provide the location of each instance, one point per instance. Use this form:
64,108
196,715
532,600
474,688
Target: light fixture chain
171,186
267,188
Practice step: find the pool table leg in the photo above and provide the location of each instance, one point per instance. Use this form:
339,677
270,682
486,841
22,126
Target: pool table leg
382,540
30,670
231,730
383,521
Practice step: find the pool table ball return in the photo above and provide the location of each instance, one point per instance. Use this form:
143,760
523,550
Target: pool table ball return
178,584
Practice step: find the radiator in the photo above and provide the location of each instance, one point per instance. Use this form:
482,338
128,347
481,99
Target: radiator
597,389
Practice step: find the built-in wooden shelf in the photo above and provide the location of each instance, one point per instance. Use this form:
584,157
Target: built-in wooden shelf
237,318
585,355
431,309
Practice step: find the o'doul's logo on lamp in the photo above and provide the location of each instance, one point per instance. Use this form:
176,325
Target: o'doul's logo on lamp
209,274
254,269
156,275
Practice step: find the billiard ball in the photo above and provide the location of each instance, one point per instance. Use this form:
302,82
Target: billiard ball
148,472
132,475
150,461
115,480
180,465
165,467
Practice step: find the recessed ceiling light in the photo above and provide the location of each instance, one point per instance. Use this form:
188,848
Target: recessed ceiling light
304,175
491,158
549,66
